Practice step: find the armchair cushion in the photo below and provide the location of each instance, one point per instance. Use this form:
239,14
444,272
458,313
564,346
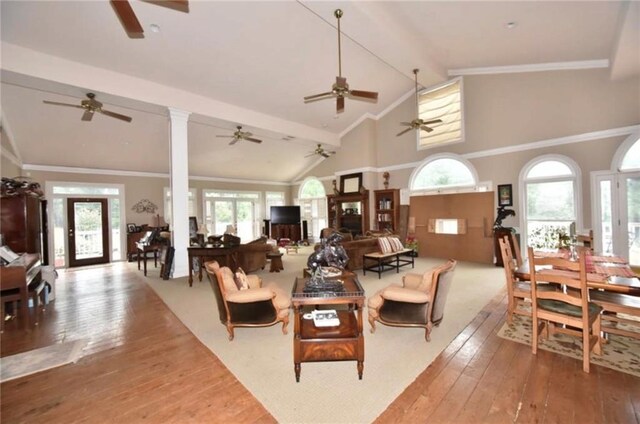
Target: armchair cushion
254,281
401,294
418,282
249,296
228,280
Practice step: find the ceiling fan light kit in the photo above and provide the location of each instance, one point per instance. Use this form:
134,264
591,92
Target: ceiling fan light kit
320,151
340,89
417,124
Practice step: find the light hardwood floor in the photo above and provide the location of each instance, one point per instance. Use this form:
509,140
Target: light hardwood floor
142,364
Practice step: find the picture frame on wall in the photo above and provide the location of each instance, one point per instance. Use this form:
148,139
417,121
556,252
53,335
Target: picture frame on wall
350,183
505,195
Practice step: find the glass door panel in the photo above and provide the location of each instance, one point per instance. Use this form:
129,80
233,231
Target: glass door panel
606,218
88,236
223,212
244,220
631,215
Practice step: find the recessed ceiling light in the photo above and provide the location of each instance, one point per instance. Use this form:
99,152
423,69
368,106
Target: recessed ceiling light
154,28
511,25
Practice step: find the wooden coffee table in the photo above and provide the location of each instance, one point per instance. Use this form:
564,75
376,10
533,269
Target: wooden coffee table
344,342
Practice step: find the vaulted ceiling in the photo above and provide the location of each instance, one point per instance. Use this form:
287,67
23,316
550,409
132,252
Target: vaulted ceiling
251,64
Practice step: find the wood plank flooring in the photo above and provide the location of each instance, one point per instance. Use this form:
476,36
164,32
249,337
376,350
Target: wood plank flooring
142,364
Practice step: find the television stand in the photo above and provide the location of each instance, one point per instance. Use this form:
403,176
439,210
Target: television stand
290,231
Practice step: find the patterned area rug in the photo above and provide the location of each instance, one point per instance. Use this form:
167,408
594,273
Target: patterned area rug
33,361
619,353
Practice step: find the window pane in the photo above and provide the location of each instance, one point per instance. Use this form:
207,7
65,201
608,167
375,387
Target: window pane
443,173
549,168
550,201
85,190
632,158
606,223
312,189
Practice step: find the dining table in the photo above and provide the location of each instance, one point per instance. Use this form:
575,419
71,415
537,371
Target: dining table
606,272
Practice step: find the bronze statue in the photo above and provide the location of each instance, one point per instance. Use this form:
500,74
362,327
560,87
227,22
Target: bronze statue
502,214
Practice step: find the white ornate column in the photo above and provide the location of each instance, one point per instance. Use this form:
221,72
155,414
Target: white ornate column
179,186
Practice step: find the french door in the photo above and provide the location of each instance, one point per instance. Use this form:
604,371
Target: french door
617,214
239,213
88,231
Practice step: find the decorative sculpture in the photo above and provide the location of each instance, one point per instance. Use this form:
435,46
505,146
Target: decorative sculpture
385,180
329,253
145,205
502,214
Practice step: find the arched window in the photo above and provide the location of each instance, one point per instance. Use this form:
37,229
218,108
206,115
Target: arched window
312,188
550,202
313,206
631,160
443,172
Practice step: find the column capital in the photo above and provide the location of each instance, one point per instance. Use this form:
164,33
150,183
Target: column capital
178,114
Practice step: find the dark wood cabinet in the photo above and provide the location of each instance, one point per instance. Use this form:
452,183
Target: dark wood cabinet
290,231
387,209
23,224
349,211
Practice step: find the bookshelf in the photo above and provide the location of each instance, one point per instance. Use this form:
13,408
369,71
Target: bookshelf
387,209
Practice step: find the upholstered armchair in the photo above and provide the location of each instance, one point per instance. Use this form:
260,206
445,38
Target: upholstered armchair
253,306
252,256
418,302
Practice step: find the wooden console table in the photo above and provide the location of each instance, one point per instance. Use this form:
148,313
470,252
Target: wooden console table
229,253
344,342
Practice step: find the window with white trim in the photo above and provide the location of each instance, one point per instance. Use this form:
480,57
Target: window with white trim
312,199
273,198
442,102
444,172
550,197
631,160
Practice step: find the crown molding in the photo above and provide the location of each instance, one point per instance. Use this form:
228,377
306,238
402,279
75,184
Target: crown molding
578,138
12,158
533,67
7,130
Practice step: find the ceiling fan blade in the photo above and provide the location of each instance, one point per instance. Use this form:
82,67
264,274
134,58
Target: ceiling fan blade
369,95
321,96
179,5
234,141
435,121
325,154
61,104
406,123
310,154
255,140
403,131
427,129
224,136
116,115
340,104
87,115
128,18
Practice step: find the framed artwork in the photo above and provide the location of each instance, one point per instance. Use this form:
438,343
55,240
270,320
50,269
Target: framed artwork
350,183
505,195
193,226
132,228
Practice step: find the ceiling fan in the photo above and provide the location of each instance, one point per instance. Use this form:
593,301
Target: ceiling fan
240,135
90,107
321,152
340,89
131,23
418,124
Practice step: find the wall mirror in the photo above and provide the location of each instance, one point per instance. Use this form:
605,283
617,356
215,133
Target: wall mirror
350,183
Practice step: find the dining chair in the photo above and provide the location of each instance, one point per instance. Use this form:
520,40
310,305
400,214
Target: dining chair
517,291
515,248
570,307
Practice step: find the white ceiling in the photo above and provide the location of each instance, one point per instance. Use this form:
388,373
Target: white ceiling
251,63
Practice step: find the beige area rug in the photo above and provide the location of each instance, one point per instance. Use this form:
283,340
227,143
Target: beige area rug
33,361
619,353
329,392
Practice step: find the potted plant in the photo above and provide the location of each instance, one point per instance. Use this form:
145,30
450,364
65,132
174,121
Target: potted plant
412,243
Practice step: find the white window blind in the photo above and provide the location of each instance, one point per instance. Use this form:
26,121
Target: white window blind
443,102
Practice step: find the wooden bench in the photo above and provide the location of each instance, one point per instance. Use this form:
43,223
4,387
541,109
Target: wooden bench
614,303
387,261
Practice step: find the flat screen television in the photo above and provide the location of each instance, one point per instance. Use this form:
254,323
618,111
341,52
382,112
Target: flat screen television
285,214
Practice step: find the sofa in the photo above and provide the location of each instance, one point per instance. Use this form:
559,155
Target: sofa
252,256
356,248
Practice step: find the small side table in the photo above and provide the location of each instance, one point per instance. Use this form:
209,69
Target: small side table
276,261
291,248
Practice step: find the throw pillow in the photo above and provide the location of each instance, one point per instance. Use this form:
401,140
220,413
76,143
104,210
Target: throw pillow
241,279
384,245
396,244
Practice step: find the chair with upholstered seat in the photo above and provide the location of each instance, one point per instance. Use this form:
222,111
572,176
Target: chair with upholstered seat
570,307
418,302
253,306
